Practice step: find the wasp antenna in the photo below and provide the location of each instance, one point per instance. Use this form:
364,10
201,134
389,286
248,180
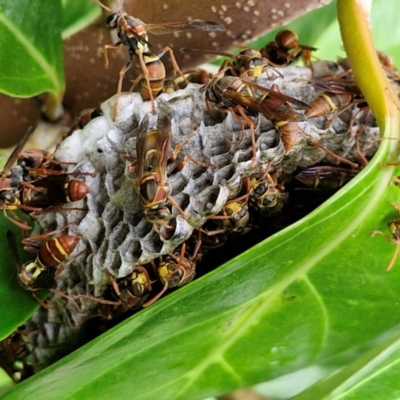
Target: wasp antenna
120,5
103,6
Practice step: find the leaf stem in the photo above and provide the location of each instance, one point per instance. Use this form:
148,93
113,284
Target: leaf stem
353,17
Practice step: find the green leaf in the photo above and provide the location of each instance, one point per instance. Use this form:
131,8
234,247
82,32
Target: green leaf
374,373
6,383
78,14
16,303
31,49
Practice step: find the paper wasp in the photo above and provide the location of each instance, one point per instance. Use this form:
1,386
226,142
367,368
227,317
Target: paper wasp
265,195
152,155
40,273
339,94
218,92
126,294
286,48
50,192
248,62
233,218
231,94
176,269
38,164
130,292
394,228
132,33
11,182
85,117
326,177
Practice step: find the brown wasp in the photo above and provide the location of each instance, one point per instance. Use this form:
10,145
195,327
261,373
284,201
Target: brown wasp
135,288
50,255
48,193
394,228
86,116
286,48
12,181
38,164
339,94
40,273
248,62
132,33
152,155
176,269
231,94
326,177
265,194
129,293
218,93
233,218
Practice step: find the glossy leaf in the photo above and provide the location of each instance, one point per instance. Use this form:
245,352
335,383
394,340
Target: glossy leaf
371,375
16,303
77,14
6,383
31,55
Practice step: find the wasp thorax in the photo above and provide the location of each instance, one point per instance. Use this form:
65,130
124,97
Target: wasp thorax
286,39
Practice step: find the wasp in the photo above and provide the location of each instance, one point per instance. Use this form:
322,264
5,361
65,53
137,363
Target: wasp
218,92
232,94
394,228
11,182
152,155
38,164
84,118
286,48
34,160
50,255
248,62
265,194
136,287
339,94
326,177
130,292
233,218
53,191
153,84
176,269
132,33
41,272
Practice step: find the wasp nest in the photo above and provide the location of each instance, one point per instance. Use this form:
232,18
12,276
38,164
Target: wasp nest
210,186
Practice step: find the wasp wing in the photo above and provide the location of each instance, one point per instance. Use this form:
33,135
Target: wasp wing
14,155
208,26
